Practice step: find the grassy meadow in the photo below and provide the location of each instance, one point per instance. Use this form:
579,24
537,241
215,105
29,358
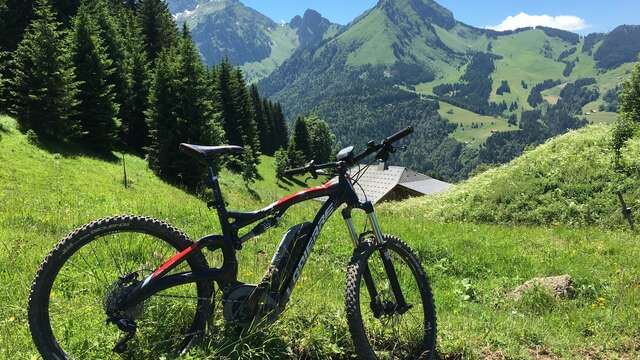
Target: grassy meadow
472,266
465,133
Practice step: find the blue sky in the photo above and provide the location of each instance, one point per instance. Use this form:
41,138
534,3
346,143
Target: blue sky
582,16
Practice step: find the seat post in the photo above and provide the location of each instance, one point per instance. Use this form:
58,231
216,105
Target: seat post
218,201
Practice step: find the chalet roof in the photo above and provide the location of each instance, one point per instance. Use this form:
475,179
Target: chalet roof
378,182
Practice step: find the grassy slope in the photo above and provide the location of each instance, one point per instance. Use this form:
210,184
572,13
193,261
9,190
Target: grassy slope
464,118
568,180
43,196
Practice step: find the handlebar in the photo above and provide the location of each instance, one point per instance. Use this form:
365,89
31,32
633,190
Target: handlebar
383,149
399,135
310,167
385,146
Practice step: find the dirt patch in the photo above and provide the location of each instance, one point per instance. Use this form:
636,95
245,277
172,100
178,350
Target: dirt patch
542,354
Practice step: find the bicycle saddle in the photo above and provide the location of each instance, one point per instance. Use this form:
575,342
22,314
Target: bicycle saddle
207,152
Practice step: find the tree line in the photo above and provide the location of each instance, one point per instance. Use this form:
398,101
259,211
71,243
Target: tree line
119,75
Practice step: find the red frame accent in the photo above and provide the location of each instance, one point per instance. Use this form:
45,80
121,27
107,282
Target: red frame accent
171,262
290,197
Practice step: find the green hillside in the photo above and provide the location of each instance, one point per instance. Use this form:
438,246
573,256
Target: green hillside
568,180
44,195
473,129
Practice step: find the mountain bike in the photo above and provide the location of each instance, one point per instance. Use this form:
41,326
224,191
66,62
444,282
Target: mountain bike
137,286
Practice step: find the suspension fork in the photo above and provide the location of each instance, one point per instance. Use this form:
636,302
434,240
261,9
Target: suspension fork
368,279
389,268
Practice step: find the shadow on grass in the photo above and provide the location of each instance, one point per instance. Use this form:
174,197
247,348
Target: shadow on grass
254,194
73,150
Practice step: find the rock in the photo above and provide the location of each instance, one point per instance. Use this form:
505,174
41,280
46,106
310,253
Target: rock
561,286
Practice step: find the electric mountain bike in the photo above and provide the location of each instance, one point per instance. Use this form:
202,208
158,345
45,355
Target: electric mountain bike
139,287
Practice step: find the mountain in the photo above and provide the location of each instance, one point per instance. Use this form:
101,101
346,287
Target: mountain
248,38
475,96
403,61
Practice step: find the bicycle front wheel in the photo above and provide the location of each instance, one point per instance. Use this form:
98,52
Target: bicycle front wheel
379,327
92,268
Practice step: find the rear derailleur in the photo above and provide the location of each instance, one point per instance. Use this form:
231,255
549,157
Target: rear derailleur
124,319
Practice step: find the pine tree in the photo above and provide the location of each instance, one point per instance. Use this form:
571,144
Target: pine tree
281,162
248,127
97,110
321,139
114,45
161,116
5,60
267,113
280,130
232,99
43,88
16,15
181,112
158,27
263,122
135,131
300,143
224,99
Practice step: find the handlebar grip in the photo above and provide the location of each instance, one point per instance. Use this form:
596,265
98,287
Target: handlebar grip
399,135
295,171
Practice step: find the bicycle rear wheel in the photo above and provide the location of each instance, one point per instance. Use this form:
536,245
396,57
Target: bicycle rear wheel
92,268
379,328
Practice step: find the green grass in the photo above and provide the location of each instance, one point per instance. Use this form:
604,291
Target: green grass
570,179
43,196
377,39
464,118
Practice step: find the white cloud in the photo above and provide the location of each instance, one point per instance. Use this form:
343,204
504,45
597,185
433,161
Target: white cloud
563,22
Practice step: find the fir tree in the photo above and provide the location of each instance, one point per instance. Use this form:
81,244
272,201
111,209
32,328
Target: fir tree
262,120
135,131
300,143
43,89
158,28
161,116
16,15
280,130
181,111
5,60
232,99
97,110
224,99
248,127
281,162
321,139
114,45
267,114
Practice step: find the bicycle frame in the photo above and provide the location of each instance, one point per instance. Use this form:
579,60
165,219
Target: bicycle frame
339,193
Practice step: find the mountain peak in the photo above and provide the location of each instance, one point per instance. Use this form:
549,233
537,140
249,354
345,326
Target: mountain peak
311,27
427,10
309,19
